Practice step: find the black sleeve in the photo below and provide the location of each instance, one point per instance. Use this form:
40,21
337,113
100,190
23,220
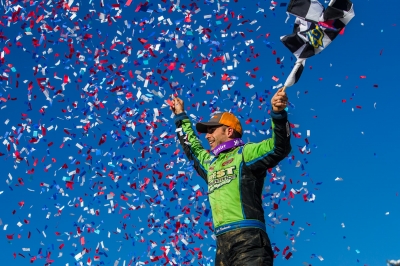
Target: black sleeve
259,157
192,146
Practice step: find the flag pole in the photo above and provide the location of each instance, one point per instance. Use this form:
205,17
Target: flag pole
284,88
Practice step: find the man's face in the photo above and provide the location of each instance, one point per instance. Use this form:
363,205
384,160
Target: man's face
216,135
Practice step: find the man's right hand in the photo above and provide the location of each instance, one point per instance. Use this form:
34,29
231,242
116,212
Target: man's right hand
177,106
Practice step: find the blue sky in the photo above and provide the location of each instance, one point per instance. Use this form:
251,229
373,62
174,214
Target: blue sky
133,197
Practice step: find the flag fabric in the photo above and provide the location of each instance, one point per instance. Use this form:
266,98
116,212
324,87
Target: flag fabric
393,262
314,29
295,74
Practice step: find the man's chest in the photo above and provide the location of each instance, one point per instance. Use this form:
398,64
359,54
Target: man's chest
223,171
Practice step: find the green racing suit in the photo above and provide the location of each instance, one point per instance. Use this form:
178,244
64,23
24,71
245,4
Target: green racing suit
235,178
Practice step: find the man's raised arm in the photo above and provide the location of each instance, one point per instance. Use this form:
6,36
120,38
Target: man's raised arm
259,157
189,141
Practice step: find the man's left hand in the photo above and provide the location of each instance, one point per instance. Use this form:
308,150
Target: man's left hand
279,101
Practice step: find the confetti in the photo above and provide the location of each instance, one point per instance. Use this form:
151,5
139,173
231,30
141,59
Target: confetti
94,172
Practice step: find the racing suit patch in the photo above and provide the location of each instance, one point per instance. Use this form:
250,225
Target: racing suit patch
227,162
220,178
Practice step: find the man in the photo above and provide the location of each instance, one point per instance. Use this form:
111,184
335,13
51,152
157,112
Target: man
235,175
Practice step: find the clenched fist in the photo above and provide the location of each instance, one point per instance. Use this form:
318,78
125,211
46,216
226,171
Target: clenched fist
177,106
279,101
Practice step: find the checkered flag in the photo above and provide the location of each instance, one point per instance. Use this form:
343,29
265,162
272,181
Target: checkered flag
314,29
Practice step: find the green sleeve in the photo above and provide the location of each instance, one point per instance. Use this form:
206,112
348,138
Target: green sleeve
192,146
259,157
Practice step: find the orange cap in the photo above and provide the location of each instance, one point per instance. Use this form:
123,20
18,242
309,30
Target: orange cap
225,118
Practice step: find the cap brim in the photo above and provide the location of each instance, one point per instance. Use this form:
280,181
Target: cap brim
202,126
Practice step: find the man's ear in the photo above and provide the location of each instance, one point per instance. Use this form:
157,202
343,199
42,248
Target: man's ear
230,132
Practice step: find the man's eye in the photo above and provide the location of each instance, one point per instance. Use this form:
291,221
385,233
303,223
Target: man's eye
211,130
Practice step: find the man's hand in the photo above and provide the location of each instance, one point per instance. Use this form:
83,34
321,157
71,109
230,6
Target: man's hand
279,100
177,106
